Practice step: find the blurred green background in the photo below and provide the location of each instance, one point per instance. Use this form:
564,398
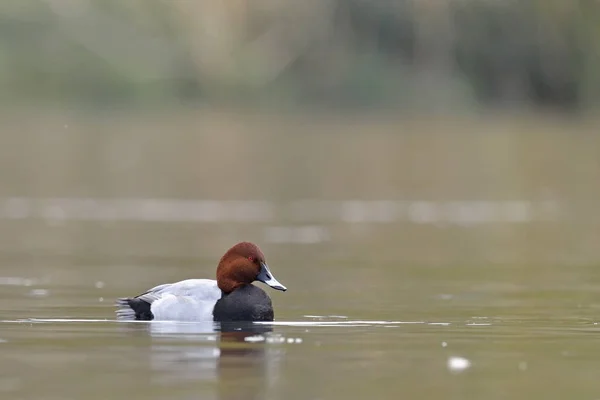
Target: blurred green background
332,53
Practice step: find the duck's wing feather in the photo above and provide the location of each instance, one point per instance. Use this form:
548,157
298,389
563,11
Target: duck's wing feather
191,295
150,296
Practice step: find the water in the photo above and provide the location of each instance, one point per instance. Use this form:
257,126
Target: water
413,333
424,258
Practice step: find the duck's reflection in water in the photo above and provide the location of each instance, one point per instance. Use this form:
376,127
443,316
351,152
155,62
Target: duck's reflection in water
229,361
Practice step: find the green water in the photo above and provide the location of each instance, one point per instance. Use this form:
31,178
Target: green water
425,258
340,334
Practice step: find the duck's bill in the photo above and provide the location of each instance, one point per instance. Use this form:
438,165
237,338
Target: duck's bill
267,277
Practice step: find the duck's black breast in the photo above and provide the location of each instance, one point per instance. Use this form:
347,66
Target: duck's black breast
247,303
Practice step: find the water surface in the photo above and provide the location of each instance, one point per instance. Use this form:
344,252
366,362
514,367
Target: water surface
444,257
418,333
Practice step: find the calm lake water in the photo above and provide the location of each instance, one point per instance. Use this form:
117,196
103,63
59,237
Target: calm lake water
458,333
425,258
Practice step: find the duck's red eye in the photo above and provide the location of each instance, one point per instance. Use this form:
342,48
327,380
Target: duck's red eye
251,259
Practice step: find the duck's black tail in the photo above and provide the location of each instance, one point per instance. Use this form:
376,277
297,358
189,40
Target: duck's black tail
133,310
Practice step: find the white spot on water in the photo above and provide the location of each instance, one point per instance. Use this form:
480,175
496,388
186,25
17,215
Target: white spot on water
254,339
3,341
279,339
99,285
39,293
444,344
275,339
458,364
100,299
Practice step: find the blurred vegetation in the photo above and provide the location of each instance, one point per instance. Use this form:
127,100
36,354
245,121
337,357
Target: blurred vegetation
345,53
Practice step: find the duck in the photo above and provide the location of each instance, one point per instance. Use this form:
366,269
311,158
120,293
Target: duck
230,298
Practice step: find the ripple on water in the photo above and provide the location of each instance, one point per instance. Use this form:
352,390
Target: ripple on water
15,281
39,293
348,323
170,325
272,339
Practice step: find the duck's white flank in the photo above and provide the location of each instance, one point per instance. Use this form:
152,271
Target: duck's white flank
188,300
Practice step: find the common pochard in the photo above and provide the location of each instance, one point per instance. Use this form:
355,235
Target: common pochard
232,297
